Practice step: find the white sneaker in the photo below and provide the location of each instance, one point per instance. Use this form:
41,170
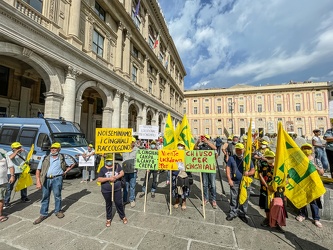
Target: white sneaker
132,203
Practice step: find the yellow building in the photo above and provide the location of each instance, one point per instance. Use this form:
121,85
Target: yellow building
301,107
98,63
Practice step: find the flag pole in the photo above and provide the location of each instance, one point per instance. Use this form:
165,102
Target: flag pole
202,197
170,181
144,205
113,157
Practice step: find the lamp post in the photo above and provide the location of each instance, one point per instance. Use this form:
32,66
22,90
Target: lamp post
231,110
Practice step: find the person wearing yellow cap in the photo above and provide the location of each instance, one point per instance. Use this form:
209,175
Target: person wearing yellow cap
5,165
218,144
130,174
319,149
17,158
258,155
235,173
266,172
49,176
230,150
315,204
112,174
88,170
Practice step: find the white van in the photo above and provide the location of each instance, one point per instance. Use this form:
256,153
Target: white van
42,132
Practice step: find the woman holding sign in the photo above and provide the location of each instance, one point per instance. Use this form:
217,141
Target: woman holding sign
108,176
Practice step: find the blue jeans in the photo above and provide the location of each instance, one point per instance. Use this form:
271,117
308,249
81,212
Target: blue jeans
321,155
10,187
235,208
314,210
153,184
130,179
49,185
209,182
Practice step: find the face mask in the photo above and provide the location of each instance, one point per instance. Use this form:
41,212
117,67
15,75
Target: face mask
234,142
55,154
307,152
240,156
108,163
180,147
263,146
270,161
229,141
153,146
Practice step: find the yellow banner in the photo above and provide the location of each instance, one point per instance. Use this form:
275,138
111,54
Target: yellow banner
167,159
112,140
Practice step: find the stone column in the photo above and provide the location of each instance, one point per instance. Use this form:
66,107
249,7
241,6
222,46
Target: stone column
68,104
107,117
52,105
90,124
119,48
145,23
74,23
154,121
127,55
77,115
116,110
138,122
144,115
124,112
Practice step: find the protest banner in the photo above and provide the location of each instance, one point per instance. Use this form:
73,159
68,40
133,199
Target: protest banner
113,140
167,159
200,161
86,161
146,159
148,132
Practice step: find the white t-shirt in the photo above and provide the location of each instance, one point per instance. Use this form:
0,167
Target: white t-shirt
5,164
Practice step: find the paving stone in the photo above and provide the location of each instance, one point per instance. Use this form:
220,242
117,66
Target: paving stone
4,246
85,226
195,245
166,241
84,243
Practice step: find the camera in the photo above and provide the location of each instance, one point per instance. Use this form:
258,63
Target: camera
202,138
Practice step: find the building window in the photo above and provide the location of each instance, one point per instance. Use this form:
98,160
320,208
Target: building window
195,120
241,120
318,94
297,96
260,119
135,52
151,42
331,93
206,100
161,93
319,106
320,118
259,97
279,119
195,131
136,19
219,131
241,108
207,131
279,108
195,110
207,121
259,108
219,109
218,99
134,73
299,119
321,130
195,100
184,110
4,80
298,107
98,43
207,110
36,4
99,11
300,131
150,87
219,120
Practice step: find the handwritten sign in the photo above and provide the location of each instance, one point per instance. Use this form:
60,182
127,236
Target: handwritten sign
167,159
88,161
146,159
200,161
111,140
148,132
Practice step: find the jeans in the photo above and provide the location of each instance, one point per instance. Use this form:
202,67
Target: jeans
10,187
209,182
154,183
118,202
130,179
235,208
314,210
49,185
321,155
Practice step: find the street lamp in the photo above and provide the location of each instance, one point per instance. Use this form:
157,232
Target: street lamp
231,110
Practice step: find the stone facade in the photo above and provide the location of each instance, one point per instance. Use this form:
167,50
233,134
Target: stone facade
96,63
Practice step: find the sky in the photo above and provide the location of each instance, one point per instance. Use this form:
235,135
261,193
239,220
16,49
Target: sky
256,42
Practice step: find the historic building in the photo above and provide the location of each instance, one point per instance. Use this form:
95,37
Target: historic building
300,106
98,63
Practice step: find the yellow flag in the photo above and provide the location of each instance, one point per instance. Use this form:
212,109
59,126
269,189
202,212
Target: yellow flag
291,164
169,141
25,179
100,165
177,132
246,181
186,135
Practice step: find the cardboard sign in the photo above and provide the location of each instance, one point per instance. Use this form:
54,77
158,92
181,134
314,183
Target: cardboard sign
146,159
200,161
88,161
148,132
167,159
111,140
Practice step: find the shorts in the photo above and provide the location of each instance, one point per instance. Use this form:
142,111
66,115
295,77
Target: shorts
3,189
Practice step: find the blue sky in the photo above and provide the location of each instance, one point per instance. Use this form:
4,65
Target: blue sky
228,42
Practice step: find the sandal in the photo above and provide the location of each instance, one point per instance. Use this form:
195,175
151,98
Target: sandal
3,218
318,223
176,205
183,206
300,218
108,223
125,221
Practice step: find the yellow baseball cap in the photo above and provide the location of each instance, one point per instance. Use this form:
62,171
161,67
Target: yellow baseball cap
306,145
239,146
207,136
269,153
109,157
181,143
153,142
56,145
264,143
133,139
16,145
90,145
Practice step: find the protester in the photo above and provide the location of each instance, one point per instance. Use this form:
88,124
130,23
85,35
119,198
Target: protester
5,165
180,182
328,136
319,149
230,150
218,144
209,179
266,172
88,170
149,172
107,179
49,177
18,157
235,172
130,174
224,149
316,204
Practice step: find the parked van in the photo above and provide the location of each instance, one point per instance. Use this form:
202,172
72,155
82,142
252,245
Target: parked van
42,132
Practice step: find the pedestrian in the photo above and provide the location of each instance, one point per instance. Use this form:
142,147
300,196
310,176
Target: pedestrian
88,171
49,177
266,173
108,176
235,173
208,179
17,156
149,172
5,165
218,144
224,149
328,136
319,149
180,182
130,174
230,150
315,204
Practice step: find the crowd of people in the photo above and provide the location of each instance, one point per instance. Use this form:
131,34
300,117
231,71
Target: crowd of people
118,179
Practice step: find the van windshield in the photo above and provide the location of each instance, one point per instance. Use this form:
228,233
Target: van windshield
70,140
58,126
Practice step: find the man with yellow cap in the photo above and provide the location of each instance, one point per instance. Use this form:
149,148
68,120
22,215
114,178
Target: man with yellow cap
235,172
49,176
17,156
5,165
